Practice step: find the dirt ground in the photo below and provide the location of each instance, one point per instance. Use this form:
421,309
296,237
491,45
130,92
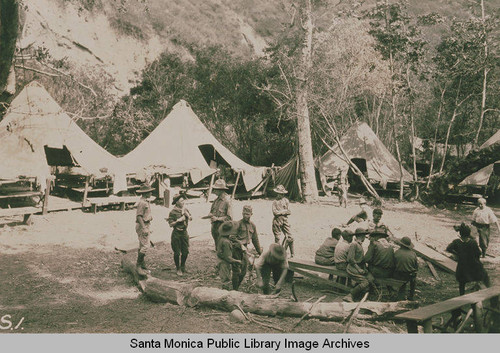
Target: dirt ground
62,273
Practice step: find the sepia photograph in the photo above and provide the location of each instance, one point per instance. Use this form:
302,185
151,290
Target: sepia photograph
247,167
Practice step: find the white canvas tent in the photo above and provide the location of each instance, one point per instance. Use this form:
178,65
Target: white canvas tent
360,142
482,176
182,144
35,122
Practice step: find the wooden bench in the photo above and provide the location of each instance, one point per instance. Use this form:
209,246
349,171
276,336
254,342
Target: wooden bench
473,302
26,212
123,201
22,194
303,266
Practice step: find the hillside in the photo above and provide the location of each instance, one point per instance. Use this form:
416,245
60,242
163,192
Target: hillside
122,36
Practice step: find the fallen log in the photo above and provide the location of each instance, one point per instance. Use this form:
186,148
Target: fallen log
188,294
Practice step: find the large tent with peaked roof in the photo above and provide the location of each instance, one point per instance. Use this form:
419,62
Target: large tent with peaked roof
361,144
482,176
182,144
34,124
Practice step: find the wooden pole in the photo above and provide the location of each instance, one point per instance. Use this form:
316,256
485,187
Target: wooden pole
236,184
478,316
355,312
86,190
45,207
210,187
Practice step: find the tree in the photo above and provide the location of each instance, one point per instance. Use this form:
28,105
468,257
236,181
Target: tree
400,42
9,18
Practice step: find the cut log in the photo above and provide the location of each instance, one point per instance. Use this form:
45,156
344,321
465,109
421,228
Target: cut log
163,291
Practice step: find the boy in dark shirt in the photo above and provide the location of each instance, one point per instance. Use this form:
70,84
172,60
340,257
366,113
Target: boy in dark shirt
325,253
225,254
178,219
406,267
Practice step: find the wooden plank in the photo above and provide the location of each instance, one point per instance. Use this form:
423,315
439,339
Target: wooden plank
86,190
316,277
422,314
433,270
22,194
438,259
18,211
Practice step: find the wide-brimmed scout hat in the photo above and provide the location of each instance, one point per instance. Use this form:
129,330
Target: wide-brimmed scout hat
227,228
177,197
280,189
406,242
379,232
144,189
361,231
277,251
220,184
347,233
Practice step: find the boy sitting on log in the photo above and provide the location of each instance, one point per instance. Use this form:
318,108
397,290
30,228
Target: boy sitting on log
325,253
406,266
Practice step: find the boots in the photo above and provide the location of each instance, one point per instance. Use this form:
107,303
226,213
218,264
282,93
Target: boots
183,263
140,265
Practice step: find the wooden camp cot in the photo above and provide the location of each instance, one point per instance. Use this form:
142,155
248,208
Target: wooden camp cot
122,201
473,303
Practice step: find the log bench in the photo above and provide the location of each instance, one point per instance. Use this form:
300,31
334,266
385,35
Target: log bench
122,201
472,302
304,266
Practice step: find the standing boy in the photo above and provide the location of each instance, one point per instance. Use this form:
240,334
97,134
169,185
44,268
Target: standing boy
143,219
221,210
178,219
225,254
281,212
482,218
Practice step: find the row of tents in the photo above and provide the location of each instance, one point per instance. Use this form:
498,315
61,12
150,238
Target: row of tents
38,138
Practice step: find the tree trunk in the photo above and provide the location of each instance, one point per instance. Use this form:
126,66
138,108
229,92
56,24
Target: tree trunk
9,20
485,77
435,136
162,291
306,159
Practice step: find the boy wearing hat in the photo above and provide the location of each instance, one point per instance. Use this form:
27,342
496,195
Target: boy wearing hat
469,266
342,249
143,219
225,254
356,267
326,252
246,232
178,219
221,209
274,262
482,218
406,267
380,255
281,212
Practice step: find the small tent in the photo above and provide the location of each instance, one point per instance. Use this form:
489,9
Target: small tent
182,144
36,133
365,149
482,176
